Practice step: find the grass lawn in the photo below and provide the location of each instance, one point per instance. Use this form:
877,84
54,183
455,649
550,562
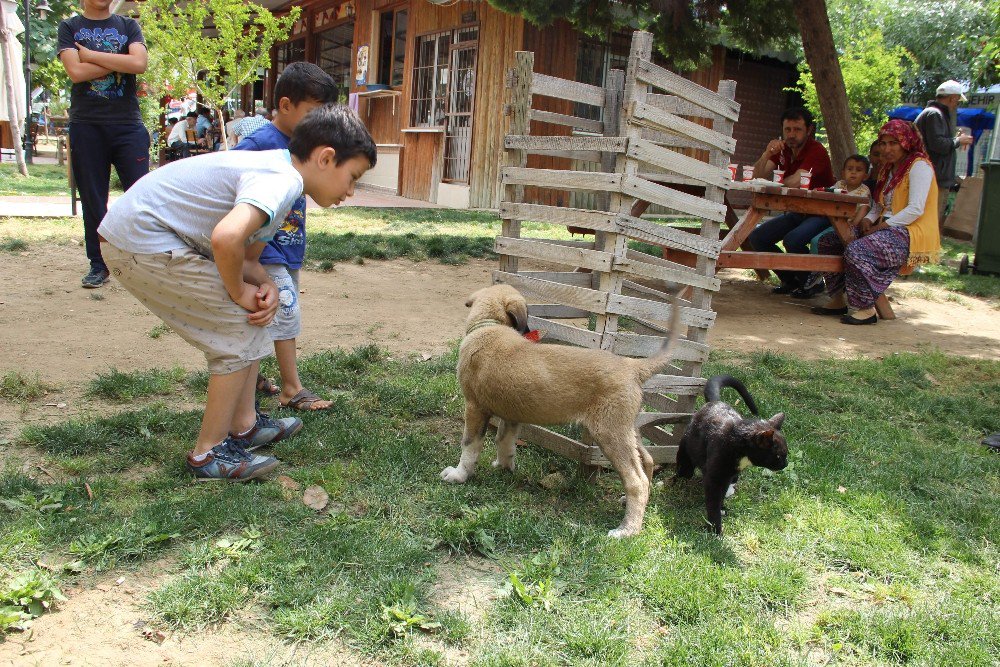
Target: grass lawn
877,545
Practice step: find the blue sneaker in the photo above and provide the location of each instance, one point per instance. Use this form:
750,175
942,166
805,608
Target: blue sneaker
268,431
229,461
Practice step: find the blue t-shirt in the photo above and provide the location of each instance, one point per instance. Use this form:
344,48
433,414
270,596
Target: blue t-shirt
288,246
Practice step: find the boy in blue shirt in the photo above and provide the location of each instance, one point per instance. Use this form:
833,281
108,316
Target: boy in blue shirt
301,88
186,242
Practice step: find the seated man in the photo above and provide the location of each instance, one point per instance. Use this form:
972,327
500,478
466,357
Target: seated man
178,138
795,152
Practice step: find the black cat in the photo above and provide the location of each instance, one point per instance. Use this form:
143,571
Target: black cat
722,443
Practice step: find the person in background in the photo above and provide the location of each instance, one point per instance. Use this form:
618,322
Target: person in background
876,164
178,137
231,125
795,152
102,53
899,233
251,124
941,138
203,123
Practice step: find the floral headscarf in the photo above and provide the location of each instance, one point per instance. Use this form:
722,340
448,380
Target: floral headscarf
909,138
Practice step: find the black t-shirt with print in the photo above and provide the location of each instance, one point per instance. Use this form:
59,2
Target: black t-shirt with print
112,99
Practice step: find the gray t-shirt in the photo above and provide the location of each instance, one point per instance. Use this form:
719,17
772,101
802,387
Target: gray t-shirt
180,203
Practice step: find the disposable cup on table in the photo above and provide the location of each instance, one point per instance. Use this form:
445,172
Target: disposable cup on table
732,170
747,172
779,176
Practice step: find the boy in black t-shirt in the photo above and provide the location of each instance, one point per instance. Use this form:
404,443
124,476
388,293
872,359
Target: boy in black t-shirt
102,53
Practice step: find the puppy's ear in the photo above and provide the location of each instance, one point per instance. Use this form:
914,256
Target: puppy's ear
517,314
472,298
777,420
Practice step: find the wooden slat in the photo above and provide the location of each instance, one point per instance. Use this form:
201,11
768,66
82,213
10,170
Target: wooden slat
670,179
631,288
649,418
670,140
681,107
574,278
581,156
649,116
556,331
654,310
585,124
579,297
559,179
555,311
579,217
628,344
550,252
677,85
550,86
681,274
674,384
664,449
783,261
678,163
646,230
639,188
662,402
555,442
532,144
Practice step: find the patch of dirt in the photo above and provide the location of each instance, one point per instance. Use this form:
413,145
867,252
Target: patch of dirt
104,623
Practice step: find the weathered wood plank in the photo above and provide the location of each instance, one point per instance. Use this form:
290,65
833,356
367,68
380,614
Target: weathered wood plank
532,143
679,106
653,418
557,331
678,163
575,278
579,297
675,84
654,310
555,442
681,274
584,124
675,199
556,311
651,232
650,116
559,179
520,123
579,217
674,384
550,86
628,344
550,252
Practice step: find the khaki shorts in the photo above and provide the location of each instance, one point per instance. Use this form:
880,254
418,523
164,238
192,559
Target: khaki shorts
185,290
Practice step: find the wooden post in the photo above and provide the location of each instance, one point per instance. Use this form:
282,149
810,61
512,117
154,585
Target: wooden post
519,110
13,106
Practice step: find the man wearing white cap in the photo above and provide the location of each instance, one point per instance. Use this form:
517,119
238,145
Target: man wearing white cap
937,126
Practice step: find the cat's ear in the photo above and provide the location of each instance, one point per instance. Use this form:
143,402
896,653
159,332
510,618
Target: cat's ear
777,420
766,437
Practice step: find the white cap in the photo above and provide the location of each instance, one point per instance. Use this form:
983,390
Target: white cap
951,87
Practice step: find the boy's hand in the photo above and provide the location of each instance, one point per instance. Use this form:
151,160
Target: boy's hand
267,305
84,52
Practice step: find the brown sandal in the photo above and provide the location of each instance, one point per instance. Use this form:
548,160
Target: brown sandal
266,386
304,400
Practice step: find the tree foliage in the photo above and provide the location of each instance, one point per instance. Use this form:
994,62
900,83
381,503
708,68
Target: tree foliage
872,73
211,46
684,30
985,65
944,37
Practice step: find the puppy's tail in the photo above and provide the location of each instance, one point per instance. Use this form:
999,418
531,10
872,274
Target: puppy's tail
715,384
647,367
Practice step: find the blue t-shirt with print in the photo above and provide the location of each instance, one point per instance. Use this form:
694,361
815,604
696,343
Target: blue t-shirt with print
111,99
288,246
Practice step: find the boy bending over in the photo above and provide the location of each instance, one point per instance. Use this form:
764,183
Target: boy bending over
186,242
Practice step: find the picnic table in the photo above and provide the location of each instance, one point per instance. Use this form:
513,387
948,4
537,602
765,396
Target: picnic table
768,199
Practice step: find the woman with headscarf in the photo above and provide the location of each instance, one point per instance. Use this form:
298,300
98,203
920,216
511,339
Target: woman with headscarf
898,234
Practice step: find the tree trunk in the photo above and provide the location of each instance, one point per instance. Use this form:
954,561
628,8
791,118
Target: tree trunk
12,102
821,56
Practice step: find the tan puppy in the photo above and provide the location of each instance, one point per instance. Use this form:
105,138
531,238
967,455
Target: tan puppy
521,382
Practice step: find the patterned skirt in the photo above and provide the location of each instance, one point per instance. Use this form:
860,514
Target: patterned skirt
871,263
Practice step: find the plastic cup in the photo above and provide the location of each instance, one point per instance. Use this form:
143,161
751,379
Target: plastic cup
805,179
732,170
779,176
747,172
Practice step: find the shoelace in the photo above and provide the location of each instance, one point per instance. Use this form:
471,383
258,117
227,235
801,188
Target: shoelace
234,446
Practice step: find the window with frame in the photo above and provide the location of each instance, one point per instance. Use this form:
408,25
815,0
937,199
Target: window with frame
289,52
594,59
334,48
391,46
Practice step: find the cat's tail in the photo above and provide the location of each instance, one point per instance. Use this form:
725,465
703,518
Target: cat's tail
645,368
715,384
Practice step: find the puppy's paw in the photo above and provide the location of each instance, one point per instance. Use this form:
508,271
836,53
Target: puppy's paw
506,465
454,475
619,532
623,501
731,490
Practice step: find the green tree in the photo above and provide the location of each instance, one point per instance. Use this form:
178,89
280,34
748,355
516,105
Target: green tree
985,65
872,73
212,46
